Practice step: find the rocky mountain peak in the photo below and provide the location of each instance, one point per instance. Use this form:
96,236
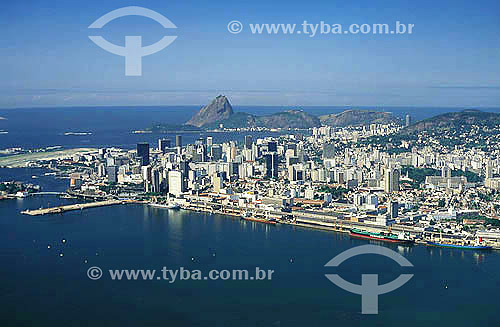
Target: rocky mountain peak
219,109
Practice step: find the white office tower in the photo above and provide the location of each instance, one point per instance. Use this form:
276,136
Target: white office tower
146,177
175,182
387,181
101,170
408,120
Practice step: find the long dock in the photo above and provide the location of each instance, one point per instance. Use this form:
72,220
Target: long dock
71,207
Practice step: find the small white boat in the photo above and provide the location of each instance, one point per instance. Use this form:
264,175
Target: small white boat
164,206
22,194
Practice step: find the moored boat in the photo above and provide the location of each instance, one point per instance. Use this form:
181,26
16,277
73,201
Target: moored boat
381,236
459,246
164,206
260,220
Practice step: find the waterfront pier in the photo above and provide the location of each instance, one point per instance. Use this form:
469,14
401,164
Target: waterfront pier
71,207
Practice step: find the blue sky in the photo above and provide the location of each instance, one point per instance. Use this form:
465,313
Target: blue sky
451,59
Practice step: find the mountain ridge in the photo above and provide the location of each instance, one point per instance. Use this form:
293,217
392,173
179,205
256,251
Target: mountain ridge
455,120
220,112
356,117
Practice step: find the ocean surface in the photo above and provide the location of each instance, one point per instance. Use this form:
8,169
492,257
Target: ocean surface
38,287
112,126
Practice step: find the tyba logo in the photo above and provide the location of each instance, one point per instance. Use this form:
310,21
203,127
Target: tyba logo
133,51
369,288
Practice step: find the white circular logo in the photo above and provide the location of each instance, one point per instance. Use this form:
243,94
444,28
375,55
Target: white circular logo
235,27
94,273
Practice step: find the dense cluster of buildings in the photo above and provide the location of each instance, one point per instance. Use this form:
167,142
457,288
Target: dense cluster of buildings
319,175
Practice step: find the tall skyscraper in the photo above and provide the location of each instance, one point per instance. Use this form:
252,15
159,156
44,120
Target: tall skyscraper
408,120
146,177
155,180
143,153
216,152
210,141
164,144
395,180
178,140
248,142
271,165
112,174
393,209
391,180
175,182
272,146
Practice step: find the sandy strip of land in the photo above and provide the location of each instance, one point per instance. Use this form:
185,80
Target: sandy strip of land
20,160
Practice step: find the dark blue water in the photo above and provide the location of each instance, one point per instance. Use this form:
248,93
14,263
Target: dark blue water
113,126
39,288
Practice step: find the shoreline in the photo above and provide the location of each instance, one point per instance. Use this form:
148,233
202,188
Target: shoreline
312,226
342,228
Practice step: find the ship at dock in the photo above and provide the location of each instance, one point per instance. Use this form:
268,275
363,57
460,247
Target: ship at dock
475,246
164,205
399,238
248,217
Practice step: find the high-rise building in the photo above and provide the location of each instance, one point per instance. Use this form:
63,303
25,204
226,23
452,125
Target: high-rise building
178,140
271,165
248,142
272,146
102,152
143,153
112,172
210,141
199,155
147,177
101,170
395,180
155,180
393,209
445,172
175,182
164,144
216,152
391,180
408,120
